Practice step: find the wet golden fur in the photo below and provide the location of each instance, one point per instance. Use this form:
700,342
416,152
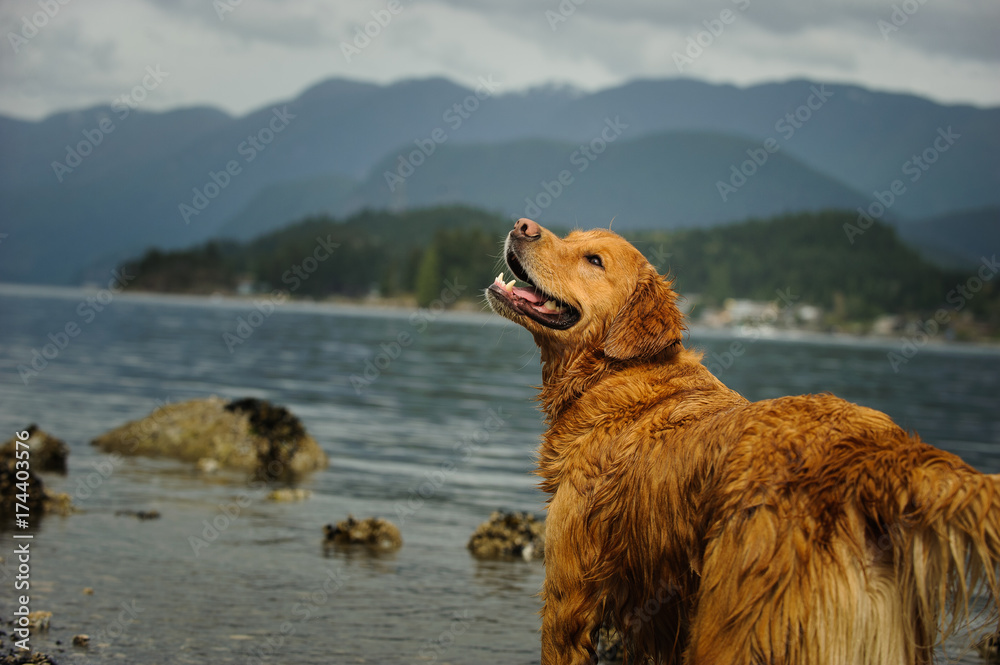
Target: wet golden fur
711,530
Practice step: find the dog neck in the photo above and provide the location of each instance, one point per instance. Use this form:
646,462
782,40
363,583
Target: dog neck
565,376
568,373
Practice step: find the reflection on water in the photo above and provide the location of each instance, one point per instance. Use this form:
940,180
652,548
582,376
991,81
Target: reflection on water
441,436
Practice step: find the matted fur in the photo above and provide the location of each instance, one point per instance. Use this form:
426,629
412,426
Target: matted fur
711,530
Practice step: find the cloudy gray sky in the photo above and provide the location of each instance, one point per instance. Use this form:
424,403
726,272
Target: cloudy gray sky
239,55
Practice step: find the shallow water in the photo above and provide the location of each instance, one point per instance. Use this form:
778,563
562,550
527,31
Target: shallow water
418,445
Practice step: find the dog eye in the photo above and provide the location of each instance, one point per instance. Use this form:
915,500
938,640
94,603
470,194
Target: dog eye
595,259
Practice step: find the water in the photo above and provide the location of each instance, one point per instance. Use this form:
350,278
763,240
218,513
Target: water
418,445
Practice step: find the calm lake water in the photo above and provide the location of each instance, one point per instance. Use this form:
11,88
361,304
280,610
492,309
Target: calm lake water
263,590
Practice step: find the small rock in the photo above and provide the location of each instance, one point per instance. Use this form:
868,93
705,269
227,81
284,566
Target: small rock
81,640
140,515
19,657
59,503
374,533
12,492
208,465
88,591
609,648
989,648
39,620
288,494
513,535
47,452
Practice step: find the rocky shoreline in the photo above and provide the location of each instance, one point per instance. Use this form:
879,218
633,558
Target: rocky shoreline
266,441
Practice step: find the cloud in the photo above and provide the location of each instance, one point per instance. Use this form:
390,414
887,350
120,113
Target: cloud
960,28
268,50
293,24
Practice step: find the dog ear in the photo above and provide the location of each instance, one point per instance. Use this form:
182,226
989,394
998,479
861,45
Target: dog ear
648,323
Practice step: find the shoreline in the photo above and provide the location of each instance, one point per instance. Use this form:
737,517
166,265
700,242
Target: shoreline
404,306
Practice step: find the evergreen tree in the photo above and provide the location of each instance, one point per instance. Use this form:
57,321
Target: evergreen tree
428,282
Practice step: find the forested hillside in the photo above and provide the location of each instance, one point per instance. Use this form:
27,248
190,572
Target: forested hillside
372,253
412,254
812,255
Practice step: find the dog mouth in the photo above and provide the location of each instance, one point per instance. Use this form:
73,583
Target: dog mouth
532,301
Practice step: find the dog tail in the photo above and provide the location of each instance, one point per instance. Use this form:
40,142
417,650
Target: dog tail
947,551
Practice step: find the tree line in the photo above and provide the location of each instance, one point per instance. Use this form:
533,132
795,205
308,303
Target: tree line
412,253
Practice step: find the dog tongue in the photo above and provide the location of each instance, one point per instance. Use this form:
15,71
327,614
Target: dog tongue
528,294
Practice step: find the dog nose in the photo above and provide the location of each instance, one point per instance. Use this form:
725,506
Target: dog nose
527,229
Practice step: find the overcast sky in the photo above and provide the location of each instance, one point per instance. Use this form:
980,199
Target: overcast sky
239,55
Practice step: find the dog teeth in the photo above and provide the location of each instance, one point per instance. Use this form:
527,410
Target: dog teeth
552,306
507,286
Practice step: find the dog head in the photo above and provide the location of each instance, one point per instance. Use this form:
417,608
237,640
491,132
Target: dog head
591,289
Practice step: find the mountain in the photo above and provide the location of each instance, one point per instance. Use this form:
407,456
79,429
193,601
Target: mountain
81,190
277,205
959,240
663,180
860,137
657,181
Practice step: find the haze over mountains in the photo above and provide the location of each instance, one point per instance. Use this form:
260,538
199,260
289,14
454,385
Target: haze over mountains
651,154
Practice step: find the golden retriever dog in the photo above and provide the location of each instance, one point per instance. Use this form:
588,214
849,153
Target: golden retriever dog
709,530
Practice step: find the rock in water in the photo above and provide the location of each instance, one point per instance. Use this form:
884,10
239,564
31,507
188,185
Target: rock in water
23,486
248,434
141,515
47,452
278,428
374,533
13,490
21,657
39,621
609,650
275,423
288,495
513,535
989,648
59,503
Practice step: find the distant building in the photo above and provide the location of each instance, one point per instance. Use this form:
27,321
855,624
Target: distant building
245,287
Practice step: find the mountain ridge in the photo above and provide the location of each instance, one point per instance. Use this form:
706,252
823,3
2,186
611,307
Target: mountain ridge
126,193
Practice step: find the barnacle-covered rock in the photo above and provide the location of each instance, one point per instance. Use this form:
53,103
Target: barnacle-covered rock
513,535
47,452
374,533
249,434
